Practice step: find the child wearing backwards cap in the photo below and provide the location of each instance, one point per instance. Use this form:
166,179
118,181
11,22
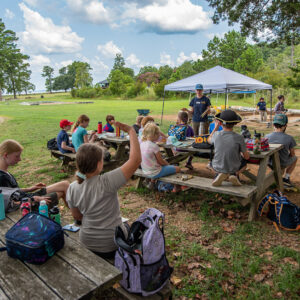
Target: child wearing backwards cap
228,162
63,142
288,158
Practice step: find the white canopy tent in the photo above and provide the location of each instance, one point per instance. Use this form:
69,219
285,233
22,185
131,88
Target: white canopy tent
218,80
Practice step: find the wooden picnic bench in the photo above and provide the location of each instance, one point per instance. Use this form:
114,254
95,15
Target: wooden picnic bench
74,272
249,193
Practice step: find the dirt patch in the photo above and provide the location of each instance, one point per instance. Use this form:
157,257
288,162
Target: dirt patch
3,119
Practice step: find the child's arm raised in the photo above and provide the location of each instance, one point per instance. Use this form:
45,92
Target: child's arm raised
135,157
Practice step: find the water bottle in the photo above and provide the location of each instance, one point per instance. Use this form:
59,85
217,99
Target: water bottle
117,131
43,208
54,214
2,207
99,130
122,134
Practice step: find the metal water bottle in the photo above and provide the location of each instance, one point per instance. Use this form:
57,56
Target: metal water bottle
43,209
54,214
2,207
99,130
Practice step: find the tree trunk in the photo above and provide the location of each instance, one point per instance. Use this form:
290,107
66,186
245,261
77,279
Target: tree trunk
0,94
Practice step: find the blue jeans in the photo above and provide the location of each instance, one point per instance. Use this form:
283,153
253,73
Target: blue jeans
165,171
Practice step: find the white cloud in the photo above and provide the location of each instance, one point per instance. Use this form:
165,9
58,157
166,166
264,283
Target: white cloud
182,57
212,35
63,63
133,61
9,14
37,62
31,2
90,10
109,49
98,65
165,59
41,35
172,16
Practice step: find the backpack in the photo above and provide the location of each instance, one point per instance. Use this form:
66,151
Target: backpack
10,195
34,239
142,257
52,144
202,143
179,131
281,211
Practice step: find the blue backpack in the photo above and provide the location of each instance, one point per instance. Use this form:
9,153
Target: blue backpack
34,239
281,211
179,131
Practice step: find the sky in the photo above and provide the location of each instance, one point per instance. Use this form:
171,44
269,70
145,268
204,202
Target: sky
145,32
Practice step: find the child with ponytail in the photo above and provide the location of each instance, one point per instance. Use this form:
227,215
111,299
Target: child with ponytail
79,133
93,198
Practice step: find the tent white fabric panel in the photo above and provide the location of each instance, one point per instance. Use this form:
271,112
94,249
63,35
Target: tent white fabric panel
218,80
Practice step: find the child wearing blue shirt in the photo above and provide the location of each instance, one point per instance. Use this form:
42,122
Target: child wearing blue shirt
79,133
63,142
108,127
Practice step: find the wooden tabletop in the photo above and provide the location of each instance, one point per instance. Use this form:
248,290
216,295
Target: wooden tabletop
273,148
74,272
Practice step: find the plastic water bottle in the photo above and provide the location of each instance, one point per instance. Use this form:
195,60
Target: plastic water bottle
43,208
122,134
54,214
2,208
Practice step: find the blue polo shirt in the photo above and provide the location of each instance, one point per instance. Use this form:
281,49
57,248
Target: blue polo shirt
62,137
200,105
262,105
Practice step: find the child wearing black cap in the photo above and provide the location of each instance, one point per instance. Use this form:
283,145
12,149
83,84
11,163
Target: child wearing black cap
228,162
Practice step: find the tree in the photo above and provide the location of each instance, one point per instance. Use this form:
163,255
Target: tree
64,81
48,73
165,72
294,81
82,75
148,78
117,84
279,19
119,62
159,88
147,69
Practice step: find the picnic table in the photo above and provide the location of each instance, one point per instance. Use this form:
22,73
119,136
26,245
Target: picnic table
74,272
262,180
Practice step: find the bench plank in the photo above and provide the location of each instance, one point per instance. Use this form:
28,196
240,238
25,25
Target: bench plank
244,191
85,261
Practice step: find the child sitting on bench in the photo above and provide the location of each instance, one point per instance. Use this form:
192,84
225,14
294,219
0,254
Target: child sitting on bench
228,162
153,163
93,198
63,142
10,155
109,121
79,133
137,126
288,158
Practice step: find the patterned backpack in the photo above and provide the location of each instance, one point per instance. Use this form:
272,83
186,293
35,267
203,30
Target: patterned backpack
141,257
34,239
281,211
179,131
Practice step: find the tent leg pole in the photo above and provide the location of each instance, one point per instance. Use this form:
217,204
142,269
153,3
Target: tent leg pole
162,112
225,98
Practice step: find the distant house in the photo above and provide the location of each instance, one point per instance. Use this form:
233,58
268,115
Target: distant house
104,84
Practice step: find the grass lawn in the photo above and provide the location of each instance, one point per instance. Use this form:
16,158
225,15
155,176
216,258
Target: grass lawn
215,252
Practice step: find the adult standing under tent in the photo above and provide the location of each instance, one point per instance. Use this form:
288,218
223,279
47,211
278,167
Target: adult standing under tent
200,108
219,80
261,106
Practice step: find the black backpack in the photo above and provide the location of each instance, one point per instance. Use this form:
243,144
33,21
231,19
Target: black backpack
52,144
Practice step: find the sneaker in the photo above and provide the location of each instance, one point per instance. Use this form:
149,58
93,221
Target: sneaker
234,180
220,177
287,182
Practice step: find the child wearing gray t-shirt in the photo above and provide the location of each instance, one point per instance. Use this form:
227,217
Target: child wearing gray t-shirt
230,149
287,156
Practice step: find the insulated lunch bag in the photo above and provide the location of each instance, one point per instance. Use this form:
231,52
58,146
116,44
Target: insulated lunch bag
34,239
179,131
141,257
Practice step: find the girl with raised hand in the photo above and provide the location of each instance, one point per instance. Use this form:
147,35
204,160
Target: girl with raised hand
93,198
10,155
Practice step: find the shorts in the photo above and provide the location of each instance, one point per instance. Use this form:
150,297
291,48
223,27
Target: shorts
43,192
242,165
165,171
289,162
